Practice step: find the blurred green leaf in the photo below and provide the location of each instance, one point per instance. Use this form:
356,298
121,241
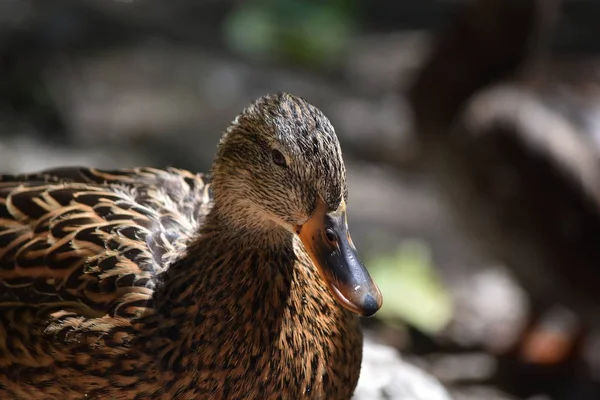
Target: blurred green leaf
297,31
251,30
411,288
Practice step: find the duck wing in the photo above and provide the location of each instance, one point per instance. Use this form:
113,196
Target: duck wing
94,241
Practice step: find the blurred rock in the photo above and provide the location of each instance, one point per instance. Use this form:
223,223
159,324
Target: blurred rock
481,393
491,310
385,376
375,63
464,367
29,154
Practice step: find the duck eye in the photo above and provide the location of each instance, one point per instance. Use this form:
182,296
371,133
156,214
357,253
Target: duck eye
278,158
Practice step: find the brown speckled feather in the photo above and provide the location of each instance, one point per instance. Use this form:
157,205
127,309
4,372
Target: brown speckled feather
87,237
86,246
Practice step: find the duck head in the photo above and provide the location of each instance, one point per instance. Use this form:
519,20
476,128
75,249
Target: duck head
280,161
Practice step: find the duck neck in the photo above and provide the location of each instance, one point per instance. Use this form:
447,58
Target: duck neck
230,291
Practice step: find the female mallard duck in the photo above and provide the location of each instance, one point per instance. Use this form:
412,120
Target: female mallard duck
141,284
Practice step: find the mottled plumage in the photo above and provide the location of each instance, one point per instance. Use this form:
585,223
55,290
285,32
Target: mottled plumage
139,284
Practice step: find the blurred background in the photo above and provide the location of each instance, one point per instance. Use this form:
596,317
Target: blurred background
470,130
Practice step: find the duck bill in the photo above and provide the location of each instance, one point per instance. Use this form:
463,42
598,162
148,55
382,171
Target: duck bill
327,240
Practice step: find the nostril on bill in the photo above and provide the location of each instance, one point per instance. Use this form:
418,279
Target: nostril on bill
330,235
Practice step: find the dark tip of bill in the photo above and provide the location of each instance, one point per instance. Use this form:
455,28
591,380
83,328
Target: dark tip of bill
369,306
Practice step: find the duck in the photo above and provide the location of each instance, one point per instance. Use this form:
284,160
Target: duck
507,128
148,283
